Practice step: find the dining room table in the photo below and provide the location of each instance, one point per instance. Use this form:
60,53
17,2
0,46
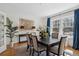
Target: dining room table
48,43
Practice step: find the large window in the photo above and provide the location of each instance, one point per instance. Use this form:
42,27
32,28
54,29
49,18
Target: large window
68,25
56,24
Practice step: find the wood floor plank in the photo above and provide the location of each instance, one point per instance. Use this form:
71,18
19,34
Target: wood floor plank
12,51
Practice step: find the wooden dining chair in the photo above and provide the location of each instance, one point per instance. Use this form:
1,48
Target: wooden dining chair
37,48
59,49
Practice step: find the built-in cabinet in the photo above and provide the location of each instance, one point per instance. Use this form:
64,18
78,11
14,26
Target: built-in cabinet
2,32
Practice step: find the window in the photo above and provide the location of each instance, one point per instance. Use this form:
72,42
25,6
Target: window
56,24
68,25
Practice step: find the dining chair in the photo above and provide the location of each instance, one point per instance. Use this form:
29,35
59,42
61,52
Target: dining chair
29,43
33,33
37,48
55,35
59,49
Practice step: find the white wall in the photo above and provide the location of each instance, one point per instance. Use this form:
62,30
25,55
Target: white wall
43,21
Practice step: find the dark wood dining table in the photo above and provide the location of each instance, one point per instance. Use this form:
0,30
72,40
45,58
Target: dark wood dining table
49,42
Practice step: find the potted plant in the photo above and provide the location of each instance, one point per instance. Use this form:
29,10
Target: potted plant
43,32
10,30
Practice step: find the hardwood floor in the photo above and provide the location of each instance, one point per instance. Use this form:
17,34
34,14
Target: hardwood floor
74,51
8,52
12,51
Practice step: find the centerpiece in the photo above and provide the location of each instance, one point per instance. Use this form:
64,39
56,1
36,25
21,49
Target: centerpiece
43,32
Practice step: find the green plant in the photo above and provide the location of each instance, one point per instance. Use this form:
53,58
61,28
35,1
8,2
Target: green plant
10,29
43,34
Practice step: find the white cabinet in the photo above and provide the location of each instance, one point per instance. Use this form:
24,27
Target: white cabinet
2,32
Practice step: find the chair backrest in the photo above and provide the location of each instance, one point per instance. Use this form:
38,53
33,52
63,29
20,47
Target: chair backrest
33,33
61,45
34,39
30,36
28,39
55,35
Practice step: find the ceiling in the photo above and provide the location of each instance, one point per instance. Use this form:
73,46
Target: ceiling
33,10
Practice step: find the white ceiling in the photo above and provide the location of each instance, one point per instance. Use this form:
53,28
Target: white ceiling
33,10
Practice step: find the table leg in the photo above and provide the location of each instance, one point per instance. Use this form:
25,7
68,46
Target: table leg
47,51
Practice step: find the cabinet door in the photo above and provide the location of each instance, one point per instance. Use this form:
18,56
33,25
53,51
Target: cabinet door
1,31
2,41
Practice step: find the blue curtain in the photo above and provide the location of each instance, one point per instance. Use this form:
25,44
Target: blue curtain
48,26
76,30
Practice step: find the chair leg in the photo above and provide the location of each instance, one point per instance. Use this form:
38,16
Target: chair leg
33,53
63,54
30,52
38,53
54,55
27,47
